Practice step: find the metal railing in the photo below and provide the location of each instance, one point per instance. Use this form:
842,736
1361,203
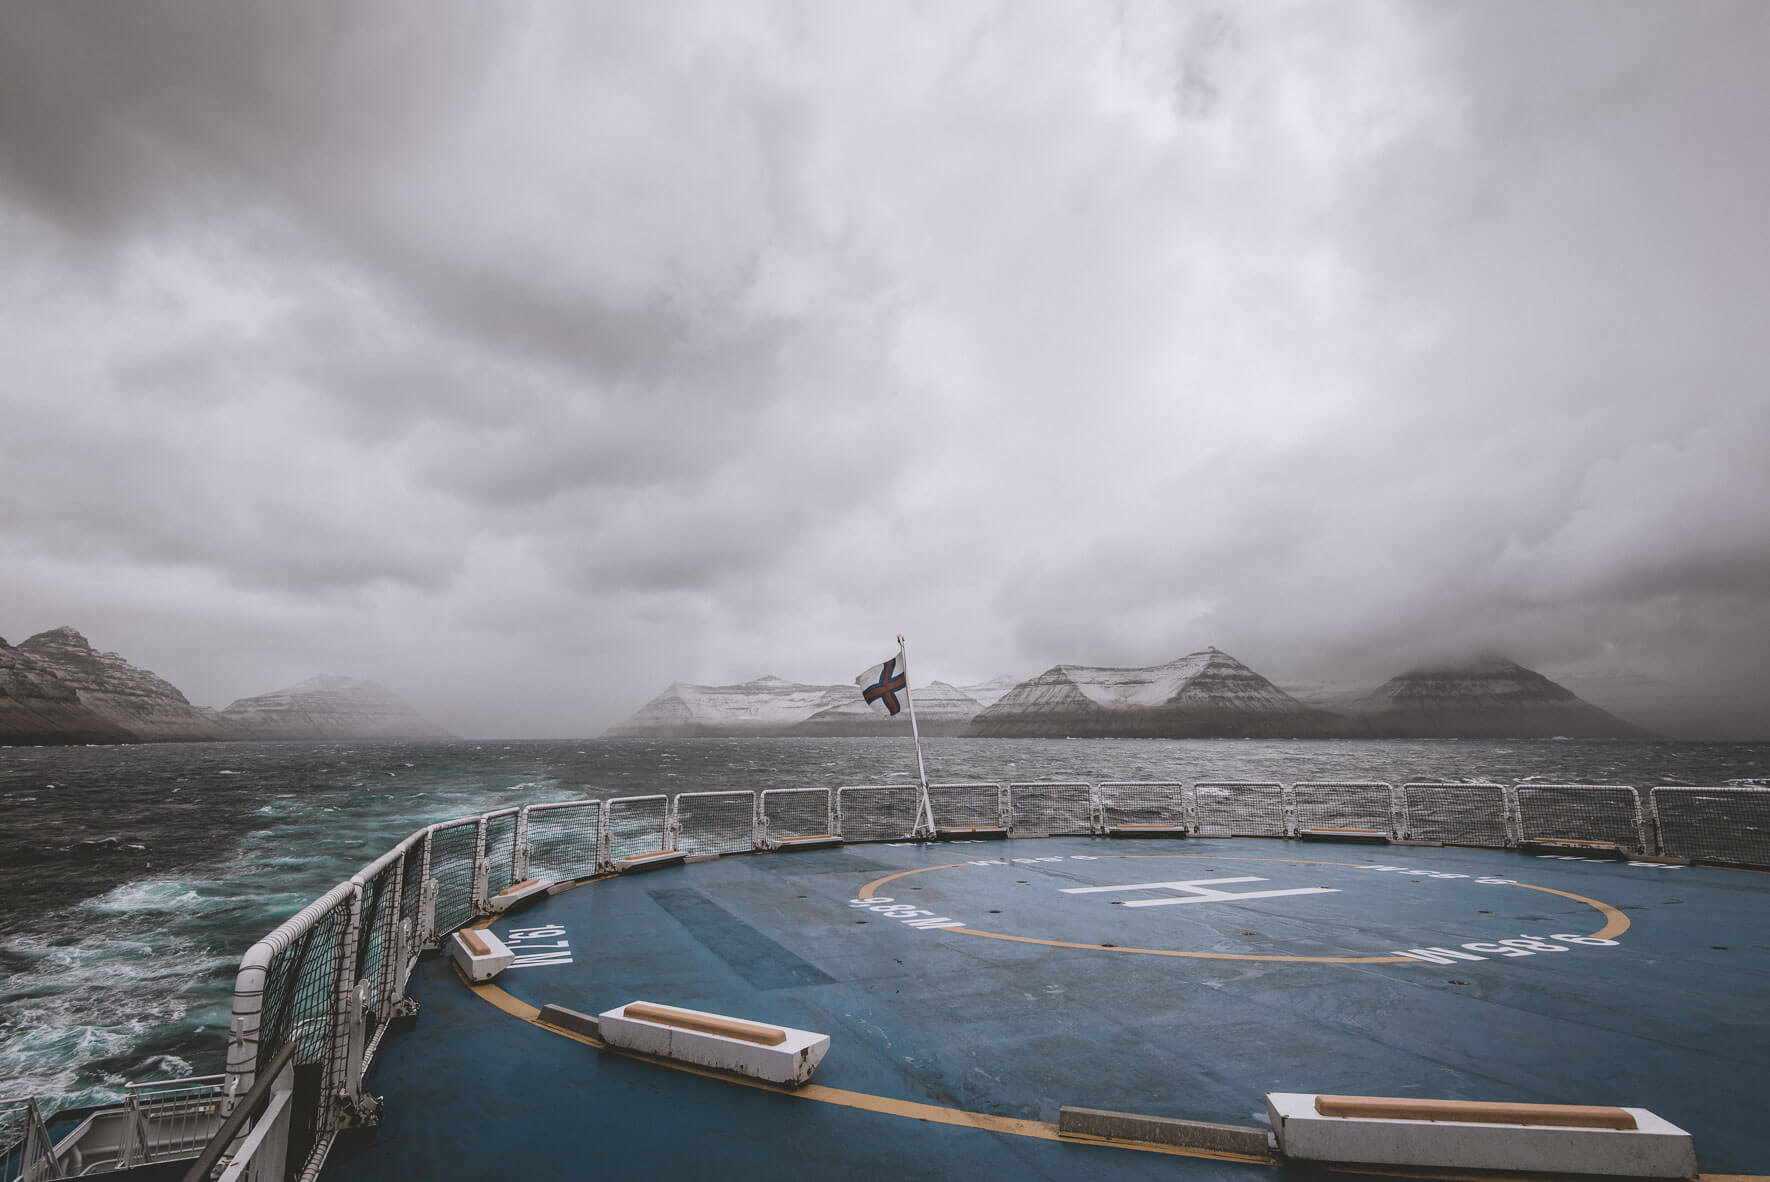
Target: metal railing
330,979
26,1152
162,1121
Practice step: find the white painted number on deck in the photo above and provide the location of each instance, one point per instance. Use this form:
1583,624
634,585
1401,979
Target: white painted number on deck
908,913
1510,949
1197,890
538,946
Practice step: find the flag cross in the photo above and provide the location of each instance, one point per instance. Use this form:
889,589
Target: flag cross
886,688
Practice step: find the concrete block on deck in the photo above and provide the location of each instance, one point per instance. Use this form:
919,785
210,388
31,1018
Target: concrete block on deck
1162,1130
1655,1148
651,861
1367,836
777,1054
1578,849
809,841
566,1019
479,954
518,892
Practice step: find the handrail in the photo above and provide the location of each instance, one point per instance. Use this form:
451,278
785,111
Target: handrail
243,1111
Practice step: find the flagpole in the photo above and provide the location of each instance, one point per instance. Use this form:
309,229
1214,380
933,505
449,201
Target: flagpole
923,806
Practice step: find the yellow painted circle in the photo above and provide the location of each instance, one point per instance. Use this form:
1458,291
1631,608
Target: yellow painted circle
1616,923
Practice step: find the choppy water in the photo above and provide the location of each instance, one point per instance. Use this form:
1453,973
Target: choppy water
132,878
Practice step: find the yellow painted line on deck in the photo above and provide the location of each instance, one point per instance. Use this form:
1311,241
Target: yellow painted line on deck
1616,922
864,1101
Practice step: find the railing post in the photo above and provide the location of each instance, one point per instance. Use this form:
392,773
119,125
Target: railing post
266,1159
425,935
342,1088
36,1146
604,841
519,847
356,1027
392,941
129,1140
481,871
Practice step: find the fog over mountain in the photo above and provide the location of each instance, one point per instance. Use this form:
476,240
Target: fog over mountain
526,358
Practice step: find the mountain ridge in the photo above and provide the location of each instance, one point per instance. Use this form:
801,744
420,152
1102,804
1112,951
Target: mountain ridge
56,688
1204,694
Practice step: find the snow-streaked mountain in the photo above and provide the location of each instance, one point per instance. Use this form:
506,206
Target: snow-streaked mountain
330,707
941,709
1207,693
766,706
988,693
1491,697
773,706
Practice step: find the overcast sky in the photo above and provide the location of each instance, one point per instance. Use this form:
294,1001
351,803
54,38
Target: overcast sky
527,358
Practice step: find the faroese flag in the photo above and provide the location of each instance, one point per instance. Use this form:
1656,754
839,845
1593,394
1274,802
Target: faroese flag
884,686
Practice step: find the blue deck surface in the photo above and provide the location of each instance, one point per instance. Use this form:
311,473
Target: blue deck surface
1669,1015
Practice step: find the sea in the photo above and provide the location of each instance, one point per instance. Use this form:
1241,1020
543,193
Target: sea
132,878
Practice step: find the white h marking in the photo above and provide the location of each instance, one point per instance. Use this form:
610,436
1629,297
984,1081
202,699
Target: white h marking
1198,890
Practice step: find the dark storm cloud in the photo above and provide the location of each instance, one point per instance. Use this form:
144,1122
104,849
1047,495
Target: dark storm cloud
558,352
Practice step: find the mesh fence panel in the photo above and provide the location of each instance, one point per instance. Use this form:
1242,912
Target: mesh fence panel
1457,814
299,990
796,812
884,812
1153,802
375,939
1244,808
1609,813
966,806
1362,804
563,838
1726,825
1051,807
716,822
451,865
636,825
500,849
412,885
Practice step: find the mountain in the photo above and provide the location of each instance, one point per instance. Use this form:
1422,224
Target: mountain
1663,703
1203,694
37,707
941,709
773,706
329,707
1490,698
766,706
991,691
134,701
56,688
